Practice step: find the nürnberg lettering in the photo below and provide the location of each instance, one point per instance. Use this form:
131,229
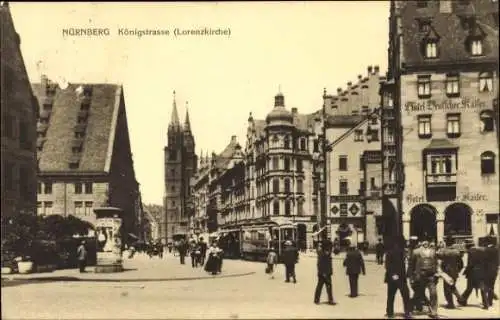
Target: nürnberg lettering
85,32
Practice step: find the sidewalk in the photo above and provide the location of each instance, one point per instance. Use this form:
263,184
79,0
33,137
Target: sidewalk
140,269
370,257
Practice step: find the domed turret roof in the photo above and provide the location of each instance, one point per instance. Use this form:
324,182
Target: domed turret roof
279,115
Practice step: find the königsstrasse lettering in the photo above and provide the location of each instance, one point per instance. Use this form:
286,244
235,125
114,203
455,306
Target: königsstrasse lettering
143,32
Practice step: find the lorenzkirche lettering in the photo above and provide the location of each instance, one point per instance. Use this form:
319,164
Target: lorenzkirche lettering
85,32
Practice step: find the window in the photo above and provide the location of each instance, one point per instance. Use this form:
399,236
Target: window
76,149
315,206
487,123
343,163
88,208
172,188
485,82
287,164
172,173
476,47
276,163
78,188
374,135
39,188
453,125
300,186
452,86
373,186
276,208
286,142
362,186
299,165
74,164
358,135
424,126
343,188
48,207
361,163
422,3
441,164
79,208
47,188
316,145
287,185
39,208
343,209
431,49
88,187
172,155
424,86
78,134
300,208
276,185
487,162
303,144
287,208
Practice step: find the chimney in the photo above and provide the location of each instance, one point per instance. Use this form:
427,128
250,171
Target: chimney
377,69
294,111
234,139
349,84
44,81
339,90
360,77
370,68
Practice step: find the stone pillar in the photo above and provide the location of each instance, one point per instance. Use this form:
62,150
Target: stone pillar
108,240
406,229
371,230
440,230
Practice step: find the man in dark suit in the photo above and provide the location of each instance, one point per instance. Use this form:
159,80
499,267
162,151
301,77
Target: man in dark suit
491,269
395,277
325,272
290,258
451,264
354,264
475,274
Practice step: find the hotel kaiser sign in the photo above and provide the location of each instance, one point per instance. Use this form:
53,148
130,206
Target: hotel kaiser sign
452,105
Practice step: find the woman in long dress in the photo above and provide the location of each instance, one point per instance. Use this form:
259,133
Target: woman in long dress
212,264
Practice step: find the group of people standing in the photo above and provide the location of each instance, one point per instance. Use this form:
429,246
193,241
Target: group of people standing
427,264
199,251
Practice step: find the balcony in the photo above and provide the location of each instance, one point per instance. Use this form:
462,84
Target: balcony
391,188
441,187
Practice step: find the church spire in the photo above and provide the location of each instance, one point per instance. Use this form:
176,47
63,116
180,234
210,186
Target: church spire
174,121
187,123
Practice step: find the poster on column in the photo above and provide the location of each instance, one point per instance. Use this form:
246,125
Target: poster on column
108,240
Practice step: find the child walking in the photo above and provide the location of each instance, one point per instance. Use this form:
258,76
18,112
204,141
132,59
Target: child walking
272,260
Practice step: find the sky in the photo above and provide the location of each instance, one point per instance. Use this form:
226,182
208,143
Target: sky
297,48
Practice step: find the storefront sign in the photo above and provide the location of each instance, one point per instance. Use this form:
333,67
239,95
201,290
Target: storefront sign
465,197
447,105
345,198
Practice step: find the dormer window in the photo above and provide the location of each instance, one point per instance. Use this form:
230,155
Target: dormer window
431,49
424,24
452,85
485,82
476,47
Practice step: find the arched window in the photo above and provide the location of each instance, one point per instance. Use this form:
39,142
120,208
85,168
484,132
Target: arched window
487,162
487,122
303,144
275,141
485,82
286,142
276,207
287,185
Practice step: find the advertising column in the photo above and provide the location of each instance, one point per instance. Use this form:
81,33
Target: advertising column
109,240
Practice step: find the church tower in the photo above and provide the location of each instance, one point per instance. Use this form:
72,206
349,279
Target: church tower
180,165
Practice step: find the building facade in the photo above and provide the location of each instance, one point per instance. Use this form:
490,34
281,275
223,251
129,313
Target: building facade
180,166
83,152
19,112
151,225
443,70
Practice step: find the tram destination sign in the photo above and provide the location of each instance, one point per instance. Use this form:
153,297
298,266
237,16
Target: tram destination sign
459,105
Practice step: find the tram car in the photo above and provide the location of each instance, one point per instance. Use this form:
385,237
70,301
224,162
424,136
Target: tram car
257,240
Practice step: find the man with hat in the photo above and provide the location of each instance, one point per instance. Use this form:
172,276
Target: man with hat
475,272
81,253
395,277
451,264
290,258
491,269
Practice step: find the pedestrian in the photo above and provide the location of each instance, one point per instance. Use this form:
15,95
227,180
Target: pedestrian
212,264
424,271
272,260
395,277
325,271
290,258
379,252
203,251
475,274
354,265
491,270
416,301
451,265
81,253
182,249
194,253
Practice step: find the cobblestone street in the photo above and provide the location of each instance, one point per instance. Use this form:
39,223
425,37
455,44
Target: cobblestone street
251,295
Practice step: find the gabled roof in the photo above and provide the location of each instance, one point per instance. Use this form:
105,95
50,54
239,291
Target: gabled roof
361,122
223,159
99,130
343,121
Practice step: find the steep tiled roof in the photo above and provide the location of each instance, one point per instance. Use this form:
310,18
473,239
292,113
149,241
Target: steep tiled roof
452,28
99,130
223,159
